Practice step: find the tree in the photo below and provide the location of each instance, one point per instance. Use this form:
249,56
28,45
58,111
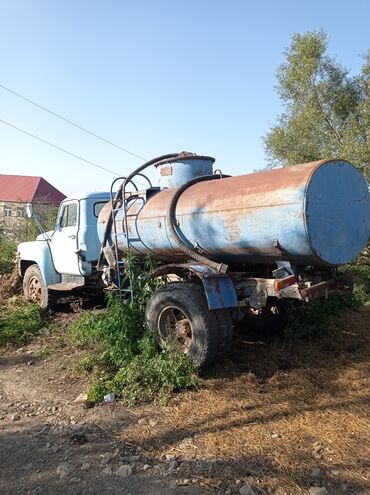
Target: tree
327,112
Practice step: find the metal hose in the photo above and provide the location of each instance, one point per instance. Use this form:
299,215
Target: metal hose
119,197
171,223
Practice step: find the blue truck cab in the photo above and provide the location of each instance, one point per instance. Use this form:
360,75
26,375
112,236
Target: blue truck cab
63,260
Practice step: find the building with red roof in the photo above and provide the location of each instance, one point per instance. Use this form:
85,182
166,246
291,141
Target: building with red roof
15,192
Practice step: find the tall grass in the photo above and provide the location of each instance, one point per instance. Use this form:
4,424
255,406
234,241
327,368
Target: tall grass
122,357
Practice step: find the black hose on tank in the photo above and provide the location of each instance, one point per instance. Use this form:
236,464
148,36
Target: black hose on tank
118,197
171,223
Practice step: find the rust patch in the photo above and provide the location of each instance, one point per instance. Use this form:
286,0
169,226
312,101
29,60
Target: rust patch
166,171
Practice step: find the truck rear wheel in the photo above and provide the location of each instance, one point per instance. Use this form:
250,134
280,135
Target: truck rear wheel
35,289
178,314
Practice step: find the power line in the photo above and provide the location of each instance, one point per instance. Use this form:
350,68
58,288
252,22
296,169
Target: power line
72,123
62,149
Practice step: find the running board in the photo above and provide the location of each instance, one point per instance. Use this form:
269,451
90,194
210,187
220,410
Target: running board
65,286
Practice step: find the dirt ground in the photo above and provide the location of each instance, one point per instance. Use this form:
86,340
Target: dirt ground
272,419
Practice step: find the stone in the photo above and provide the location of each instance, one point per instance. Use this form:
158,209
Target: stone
146,467
63,470
227,492
246,490
85,466
141,421
335,472
107,471
185,442
153,422
124,471
316,473
15,417
173,464
318,490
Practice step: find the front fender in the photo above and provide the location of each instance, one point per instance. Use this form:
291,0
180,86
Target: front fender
38,252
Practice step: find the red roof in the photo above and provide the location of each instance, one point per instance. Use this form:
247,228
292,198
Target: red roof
26,188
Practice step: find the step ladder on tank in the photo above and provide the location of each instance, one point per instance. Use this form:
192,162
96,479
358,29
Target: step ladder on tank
122,201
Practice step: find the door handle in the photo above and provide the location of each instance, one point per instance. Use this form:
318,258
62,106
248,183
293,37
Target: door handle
72,236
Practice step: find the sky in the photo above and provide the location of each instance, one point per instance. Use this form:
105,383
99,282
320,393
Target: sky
153,77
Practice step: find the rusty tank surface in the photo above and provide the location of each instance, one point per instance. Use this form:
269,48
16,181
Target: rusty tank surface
311,214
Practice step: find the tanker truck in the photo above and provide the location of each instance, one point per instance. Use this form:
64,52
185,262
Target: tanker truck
227,249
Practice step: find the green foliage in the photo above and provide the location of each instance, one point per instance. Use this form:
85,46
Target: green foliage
122,356
361,290
317,317
327,112
17,324
43,352
7,255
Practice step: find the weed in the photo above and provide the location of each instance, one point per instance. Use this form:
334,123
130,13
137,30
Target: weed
43,352
122,356
18,323
7,255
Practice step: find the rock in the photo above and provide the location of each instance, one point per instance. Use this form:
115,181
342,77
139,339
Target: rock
185,442
173,464
318,490
124,471
107,471
316,473
246,490
184,482
80,399
335,472
141,421
169,457
227,492
153,422
15,417
63,470
85,466
146,467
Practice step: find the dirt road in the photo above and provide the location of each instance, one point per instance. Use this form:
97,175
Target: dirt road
272,419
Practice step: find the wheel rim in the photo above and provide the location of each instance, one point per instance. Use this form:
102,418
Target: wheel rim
174,328
35,289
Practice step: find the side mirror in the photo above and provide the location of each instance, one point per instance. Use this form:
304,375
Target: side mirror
29,210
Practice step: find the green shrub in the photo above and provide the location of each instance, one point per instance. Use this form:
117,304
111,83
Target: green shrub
18,324
122,356
361,289
7,255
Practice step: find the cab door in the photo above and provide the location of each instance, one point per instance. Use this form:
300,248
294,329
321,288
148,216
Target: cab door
65,240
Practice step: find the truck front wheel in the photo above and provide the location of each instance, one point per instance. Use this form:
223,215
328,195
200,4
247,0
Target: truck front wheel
35,289
179,316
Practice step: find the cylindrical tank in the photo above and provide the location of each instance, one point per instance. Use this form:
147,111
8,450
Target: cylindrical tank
312,214
186,166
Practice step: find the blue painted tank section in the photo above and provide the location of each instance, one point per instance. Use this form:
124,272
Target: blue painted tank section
337,218
176,172
316,213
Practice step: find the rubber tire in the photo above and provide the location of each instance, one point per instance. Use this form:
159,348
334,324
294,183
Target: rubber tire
193,304
225,328
225,333
48,298
268,325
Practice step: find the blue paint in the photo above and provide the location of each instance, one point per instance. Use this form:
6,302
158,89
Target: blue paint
319,214
176,173
337,230
220,292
